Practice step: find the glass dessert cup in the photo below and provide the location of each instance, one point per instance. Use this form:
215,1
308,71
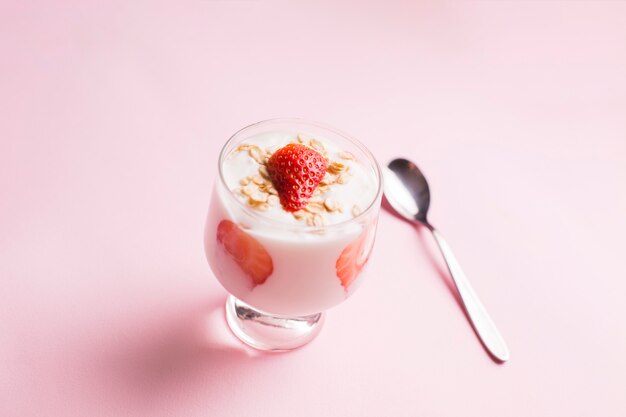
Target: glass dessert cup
282,276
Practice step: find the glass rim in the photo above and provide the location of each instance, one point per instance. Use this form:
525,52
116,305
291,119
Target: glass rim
309,229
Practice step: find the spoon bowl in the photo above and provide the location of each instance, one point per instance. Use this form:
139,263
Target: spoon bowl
407,190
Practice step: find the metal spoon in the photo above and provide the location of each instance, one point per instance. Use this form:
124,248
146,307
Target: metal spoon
407,191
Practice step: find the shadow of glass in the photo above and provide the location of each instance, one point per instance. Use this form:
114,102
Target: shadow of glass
177,356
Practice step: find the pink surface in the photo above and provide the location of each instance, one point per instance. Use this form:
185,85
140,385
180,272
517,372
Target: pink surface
112,117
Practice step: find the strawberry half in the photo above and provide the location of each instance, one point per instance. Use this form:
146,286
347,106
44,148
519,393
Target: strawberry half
296,171
246,251
354,257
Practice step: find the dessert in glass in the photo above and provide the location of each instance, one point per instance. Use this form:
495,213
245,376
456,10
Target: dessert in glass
290,227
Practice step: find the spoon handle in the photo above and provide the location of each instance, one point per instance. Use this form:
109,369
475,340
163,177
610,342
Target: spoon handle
479,318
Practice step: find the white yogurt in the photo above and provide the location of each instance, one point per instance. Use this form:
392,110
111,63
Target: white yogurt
304,279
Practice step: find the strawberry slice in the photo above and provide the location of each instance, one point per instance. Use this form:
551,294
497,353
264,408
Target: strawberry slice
296,171
354,257
246,251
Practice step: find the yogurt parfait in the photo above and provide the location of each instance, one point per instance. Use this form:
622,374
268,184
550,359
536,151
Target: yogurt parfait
290,227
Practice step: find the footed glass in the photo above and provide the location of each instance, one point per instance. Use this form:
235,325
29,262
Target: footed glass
282,276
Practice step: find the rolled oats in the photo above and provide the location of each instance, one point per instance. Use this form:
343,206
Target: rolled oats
249,189
330,204
257,154
273,200
336,167
258,197
328,179
344,178
315,207
346,155
316,144
318,220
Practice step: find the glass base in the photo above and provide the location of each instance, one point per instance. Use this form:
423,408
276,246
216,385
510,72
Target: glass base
266,331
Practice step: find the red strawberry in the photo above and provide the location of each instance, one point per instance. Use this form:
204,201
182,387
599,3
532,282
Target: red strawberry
249,254
296,171
353,258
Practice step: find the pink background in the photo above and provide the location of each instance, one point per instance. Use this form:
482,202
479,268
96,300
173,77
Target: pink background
112,117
